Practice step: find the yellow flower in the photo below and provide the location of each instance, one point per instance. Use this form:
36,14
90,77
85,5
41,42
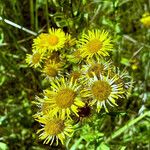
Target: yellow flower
103,90
34,59
97,67
70,41
75,75
64,97
54,56
52,69
40,43
56,39
146,19
123,78
95,43
54,129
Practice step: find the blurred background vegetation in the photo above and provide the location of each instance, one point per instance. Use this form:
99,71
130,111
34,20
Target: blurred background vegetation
126,127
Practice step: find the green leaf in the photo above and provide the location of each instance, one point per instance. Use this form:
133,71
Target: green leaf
3,146
2,80
127,126
123,148
77,143
1,37
125,61
103,146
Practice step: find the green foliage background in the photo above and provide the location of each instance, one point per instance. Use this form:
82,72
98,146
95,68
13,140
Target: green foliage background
125,127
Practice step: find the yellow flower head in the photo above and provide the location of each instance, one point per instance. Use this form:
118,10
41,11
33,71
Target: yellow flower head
97,67
56,39
75,75
54,56
40,43
54,129
103,90
70,41
95,43
146,19
52,69
63,97
123,78
35,59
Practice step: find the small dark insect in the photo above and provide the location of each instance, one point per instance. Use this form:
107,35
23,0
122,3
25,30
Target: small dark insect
84,111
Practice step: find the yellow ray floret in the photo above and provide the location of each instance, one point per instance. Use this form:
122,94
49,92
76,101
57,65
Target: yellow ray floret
54,129
64,97
103,90
95,43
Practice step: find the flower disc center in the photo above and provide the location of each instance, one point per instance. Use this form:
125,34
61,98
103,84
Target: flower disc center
36,58
101,90
50,71
53,40
96,68
65,98
54,127
94,46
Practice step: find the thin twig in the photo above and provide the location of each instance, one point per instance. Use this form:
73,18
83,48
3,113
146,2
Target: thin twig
130,39
135,41
18,42
18,26
96,13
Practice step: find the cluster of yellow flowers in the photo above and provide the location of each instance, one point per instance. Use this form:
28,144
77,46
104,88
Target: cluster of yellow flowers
80,75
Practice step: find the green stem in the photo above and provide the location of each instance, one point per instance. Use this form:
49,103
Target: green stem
36,16
32,14
47,16
74,146
128,125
